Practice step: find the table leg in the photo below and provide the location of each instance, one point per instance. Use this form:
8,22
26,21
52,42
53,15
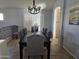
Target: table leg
48,47
21,51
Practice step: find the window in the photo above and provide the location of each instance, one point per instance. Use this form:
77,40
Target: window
36,20
1,17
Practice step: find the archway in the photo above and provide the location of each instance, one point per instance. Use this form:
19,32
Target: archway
56,27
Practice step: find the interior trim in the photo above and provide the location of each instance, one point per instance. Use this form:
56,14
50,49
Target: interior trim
69,52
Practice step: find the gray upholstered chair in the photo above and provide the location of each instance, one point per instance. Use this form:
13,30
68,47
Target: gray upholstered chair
35,45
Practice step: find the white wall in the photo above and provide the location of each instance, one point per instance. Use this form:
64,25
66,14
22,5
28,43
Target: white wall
42,20
27,20
71,32
47,18
20,17
12,16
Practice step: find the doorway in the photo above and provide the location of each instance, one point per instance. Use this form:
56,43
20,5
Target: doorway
56,27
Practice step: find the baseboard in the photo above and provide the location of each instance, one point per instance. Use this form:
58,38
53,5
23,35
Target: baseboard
69,52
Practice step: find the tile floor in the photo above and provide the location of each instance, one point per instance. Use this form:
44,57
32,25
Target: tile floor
57,52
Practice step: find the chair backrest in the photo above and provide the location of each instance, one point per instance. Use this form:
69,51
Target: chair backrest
34,29
35,44
22,33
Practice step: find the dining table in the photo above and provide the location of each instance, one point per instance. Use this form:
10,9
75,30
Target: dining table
23,43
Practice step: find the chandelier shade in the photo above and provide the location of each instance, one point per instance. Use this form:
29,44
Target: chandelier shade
34,9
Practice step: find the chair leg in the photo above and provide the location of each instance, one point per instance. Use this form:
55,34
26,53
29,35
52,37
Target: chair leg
41,56
28,57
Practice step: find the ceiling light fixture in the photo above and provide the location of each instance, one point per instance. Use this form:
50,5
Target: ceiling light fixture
34,9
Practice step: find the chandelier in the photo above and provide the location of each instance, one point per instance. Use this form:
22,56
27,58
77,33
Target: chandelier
34,9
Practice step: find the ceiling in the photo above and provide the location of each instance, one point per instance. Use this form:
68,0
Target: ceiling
47,4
